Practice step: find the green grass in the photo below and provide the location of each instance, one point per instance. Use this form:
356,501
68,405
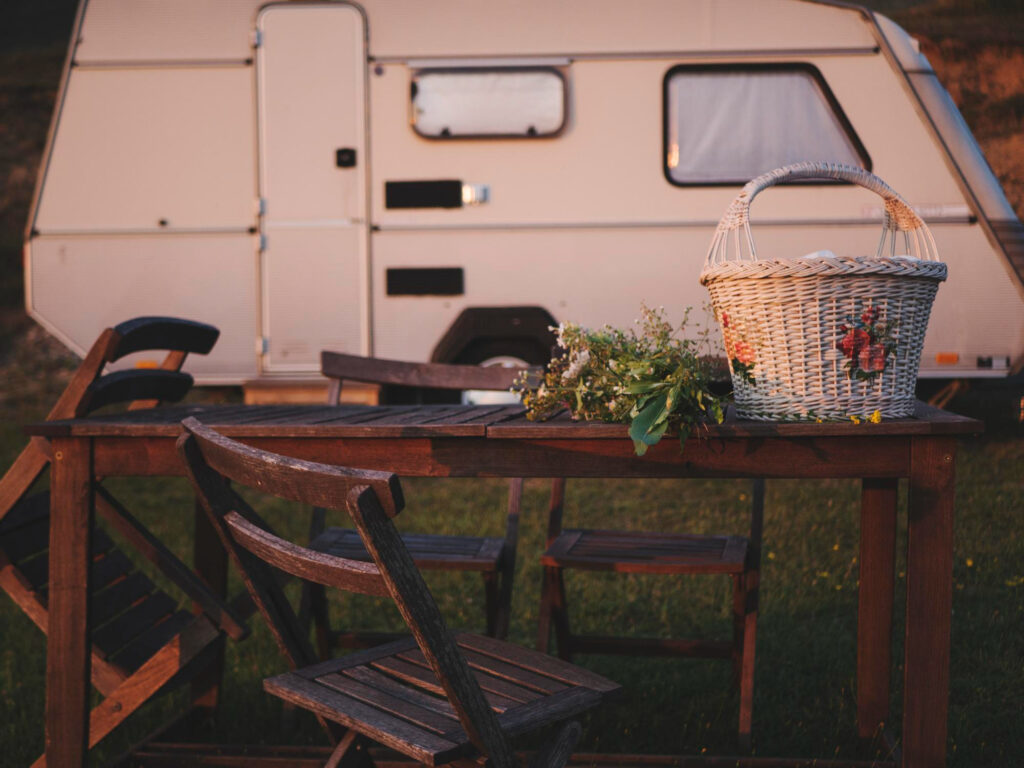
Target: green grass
804,700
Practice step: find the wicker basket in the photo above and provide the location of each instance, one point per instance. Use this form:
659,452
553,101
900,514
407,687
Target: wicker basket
823,336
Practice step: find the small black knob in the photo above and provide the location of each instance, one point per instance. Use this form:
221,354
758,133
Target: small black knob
346,157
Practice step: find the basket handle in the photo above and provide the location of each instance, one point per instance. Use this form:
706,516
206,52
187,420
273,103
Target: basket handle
727,244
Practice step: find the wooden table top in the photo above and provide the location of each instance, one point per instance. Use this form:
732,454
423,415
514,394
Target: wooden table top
491,421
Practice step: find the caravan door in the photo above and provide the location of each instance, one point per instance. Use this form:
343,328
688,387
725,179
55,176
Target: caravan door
311,80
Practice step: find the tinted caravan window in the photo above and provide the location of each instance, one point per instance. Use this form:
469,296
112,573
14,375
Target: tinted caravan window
728,124
481,102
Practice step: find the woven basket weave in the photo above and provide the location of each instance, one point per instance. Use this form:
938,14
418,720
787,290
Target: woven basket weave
823,336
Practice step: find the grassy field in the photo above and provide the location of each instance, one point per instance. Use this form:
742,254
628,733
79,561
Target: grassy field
806,641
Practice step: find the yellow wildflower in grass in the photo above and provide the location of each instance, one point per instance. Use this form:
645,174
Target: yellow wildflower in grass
970,563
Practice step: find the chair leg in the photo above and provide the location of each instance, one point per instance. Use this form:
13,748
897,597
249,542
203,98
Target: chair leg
751,581
491,601
18,479
317,524
211,565
556,753
544,617
352,752
554,610
738,612
137,689
505,577
317,597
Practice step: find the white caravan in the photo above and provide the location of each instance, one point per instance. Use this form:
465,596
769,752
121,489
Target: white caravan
441,180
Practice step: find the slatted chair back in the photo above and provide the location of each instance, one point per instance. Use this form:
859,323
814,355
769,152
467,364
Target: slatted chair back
338,367
89,390
372,499
140,638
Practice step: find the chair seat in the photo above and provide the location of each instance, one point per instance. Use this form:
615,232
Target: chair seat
390,694
643,552
429,551
131,619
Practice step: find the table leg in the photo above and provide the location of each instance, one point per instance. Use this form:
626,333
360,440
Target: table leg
67,650
929,601
875,602
211,564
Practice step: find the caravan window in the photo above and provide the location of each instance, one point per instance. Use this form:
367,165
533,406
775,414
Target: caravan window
488,102
727,124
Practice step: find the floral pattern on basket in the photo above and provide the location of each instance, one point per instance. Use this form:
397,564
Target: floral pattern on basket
741,354
867,343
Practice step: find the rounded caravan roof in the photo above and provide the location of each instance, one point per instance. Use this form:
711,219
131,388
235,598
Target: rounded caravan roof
121,31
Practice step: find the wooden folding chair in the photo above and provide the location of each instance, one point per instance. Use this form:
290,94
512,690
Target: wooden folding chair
656,553
140,638
434,697
493,558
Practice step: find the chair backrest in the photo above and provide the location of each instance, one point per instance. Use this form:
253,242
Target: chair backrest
89,390
337,367
371,498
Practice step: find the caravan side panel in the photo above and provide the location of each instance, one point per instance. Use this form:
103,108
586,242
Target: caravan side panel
123,31
150,149
82,284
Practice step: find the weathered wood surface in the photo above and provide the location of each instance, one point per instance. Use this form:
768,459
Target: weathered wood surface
929,602
875,602
495,378
493,558
465,720
646,552
139,454
93,592
295,421
429,551
67,658
623,551
505,422
137,444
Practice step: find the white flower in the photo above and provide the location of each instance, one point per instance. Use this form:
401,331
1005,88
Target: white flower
577,361
559,334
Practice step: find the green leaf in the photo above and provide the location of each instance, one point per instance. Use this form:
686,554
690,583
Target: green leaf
640,387
684,433
649,424
650,438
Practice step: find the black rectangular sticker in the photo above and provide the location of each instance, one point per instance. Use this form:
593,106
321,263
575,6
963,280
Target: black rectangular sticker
422,281
445,193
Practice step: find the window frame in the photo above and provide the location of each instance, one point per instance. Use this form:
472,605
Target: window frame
449,70
795,66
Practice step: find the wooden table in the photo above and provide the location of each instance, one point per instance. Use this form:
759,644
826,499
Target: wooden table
493,441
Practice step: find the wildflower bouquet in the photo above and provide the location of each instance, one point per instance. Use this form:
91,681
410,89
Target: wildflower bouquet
650,378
